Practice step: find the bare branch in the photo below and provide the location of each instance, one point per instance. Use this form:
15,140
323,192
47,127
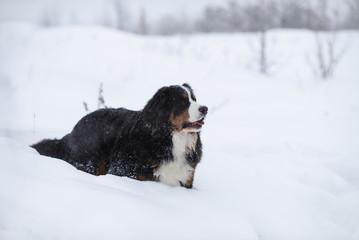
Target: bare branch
85,106
328,54
100,99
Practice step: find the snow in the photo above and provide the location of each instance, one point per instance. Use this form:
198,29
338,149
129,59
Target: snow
280,151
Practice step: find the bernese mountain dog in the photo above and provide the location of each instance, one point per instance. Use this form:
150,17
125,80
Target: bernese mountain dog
160,143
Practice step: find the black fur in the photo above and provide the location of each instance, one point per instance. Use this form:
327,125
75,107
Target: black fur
124,142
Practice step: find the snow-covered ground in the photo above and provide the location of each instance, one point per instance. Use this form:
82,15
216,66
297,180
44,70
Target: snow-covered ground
281,152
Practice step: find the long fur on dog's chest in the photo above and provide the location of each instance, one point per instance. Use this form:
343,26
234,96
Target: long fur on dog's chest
178,171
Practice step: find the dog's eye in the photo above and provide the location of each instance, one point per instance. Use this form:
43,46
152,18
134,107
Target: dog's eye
184,99
184,102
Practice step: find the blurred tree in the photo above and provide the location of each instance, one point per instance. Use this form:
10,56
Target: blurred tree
324,20
327,55
214,19
259,15
262,15
142,26
50,17
297,14
121,15
236,18
169,25
352,21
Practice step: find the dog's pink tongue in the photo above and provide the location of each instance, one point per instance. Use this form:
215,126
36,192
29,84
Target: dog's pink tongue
201,123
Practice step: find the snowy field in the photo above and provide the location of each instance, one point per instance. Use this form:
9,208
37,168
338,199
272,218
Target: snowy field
281,152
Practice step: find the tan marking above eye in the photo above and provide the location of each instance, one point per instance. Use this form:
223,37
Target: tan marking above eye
185,96
194,97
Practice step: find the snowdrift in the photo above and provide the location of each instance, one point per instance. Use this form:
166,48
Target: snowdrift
280,151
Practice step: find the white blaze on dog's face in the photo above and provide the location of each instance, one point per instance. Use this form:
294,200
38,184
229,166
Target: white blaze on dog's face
193,110
196,111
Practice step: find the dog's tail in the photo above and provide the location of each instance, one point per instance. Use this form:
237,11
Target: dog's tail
56,148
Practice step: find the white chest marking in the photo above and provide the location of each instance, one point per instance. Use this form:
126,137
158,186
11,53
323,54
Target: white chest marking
178,170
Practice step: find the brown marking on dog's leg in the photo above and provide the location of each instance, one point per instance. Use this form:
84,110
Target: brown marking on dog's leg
189,182
142,178
102,168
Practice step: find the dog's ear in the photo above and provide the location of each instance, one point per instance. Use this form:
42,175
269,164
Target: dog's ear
186,85
157,111
159,104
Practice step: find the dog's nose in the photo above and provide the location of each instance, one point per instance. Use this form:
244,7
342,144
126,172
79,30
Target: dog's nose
203,110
